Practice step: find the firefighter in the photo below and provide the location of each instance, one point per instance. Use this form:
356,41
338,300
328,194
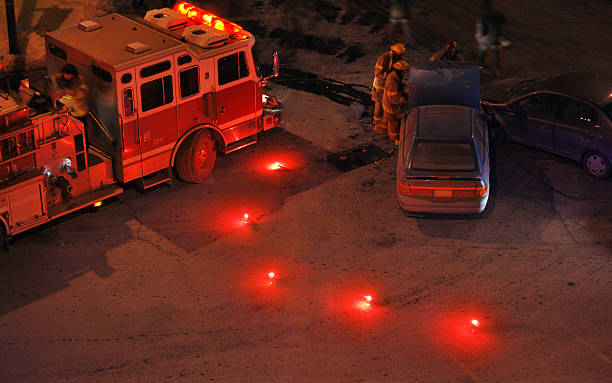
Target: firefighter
381,70
70,89
450,52
394,100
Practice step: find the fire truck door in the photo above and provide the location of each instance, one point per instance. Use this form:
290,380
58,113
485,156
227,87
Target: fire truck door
194,89
127,94
157,119
236,92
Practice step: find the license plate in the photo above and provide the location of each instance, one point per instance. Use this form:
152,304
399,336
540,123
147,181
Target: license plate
443,193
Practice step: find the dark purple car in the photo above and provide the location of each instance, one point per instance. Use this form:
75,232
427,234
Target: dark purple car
569,115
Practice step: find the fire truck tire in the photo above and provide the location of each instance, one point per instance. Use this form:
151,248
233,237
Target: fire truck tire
196,157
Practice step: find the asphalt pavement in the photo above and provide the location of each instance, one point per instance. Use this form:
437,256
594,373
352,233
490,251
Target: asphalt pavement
173,284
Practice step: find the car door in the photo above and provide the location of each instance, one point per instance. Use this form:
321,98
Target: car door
575,129
534,120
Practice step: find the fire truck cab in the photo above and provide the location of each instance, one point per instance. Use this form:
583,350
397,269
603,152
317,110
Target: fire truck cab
167,91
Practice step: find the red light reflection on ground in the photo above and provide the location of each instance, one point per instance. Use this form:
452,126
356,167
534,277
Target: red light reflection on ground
354,308
260,287
465,333
237,218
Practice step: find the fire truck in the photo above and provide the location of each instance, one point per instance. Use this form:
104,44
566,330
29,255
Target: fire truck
165,92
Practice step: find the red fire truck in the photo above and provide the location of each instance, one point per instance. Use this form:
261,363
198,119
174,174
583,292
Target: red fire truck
165,92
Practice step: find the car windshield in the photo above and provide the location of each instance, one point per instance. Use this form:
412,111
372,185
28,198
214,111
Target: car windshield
444,155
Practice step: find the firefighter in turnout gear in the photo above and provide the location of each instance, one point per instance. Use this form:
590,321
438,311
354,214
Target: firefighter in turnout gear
383,67
69,88
394,100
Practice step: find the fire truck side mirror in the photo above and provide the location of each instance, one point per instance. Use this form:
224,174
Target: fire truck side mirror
275,74
276,64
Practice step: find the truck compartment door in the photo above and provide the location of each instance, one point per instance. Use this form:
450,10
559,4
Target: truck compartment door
27,205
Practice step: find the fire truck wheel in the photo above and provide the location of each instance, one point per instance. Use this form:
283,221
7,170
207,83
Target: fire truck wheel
196,157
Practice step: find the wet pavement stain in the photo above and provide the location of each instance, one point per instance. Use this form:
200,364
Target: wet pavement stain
334,90
357,157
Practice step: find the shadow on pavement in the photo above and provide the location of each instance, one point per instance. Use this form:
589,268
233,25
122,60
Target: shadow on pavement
44,260
175,220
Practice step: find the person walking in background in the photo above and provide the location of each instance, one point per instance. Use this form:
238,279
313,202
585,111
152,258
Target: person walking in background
384,66
450,52
394,100
488,28
398,19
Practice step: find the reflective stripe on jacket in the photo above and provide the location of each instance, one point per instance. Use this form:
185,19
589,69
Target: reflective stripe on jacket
381,70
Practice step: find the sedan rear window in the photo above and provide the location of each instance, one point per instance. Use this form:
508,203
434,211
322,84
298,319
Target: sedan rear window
448,155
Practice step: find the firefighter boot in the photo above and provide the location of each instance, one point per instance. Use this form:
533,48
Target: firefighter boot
393,124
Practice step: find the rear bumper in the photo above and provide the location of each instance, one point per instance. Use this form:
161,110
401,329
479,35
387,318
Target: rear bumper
442,205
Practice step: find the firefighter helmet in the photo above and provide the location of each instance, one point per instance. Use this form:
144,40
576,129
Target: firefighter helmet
398,48
401,65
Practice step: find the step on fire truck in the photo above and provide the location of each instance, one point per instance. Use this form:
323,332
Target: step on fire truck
165,92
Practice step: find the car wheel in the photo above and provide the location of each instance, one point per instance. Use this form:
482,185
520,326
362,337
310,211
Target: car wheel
596,164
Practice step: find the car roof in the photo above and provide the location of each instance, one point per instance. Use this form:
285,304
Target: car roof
444,122
585,86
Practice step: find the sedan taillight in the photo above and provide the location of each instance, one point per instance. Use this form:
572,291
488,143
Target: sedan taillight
443,189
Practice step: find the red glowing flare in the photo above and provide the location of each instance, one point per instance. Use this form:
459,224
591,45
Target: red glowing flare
276,166
368,298
246,219
475,322
271,274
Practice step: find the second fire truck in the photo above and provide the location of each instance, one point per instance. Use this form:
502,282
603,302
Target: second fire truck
167,92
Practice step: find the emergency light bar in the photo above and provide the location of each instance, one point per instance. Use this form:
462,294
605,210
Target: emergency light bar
201,16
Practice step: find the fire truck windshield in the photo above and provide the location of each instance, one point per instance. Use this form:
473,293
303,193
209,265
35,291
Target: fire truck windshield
255,56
